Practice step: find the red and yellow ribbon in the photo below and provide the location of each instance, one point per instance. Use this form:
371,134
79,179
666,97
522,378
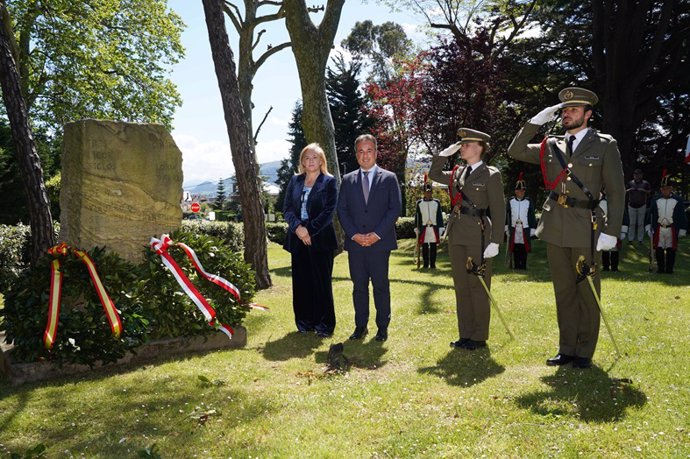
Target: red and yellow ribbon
55,298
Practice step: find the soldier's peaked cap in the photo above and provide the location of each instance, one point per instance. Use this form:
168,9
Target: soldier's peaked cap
472,135
577,97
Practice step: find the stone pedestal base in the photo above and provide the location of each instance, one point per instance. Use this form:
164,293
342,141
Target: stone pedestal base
20,373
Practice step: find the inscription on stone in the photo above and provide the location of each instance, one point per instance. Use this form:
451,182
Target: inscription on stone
121,184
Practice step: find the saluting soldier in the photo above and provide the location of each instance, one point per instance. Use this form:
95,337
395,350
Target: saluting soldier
474,229
521,224
576,168
666,222
428,226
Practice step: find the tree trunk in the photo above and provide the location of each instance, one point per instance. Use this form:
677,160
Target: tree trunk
255,250
311,46
42,234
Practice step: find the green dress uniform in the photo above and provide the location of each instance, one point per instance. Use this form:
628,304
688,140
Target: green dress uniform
485,204
567,227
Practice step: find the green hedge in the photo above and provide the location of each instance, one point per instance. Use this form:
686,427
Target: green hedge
14,253
231,233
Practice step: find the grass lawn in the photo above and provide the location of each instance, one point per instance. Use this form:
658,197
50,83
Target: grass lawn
412,396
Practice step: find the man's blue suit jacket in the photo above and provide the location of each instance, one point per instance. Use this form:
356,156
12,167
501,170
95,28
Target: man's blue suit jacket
378,215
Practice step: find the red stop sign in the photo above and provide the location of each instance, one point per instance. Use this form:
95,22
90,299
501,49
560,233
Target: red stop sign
195,207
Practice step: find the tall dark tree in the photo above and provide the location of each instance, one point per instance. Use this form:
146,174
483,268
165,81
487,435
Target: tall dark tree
220,195
288,166
42,234
311,45
348,108
243,158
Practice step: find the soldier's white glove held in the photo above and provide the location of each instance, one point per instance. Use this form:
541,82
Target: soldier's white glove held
450,150
491,250
546,115
648,230
606,242
682,233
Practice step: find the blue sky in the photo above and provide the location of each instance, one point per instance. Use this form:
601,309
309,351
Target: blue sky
199,128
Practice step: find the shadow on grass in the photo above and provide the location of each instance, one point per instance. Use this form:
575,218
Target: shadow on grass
294,345
426,306
590,395
364,354
465,368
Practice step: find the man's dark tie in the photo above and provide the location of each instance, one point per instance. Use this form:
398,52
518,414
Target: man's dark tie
365,185
569,147
467,172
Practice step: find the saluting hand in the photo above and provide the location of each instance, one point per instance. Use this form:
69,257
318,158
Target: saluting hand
546,115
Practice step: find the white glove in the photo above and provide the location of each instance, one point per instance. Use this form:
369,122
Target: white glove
606,242
648,230
505,230
682,233
441,230
532,232
416,231
450,150
623,235
546,115
491,250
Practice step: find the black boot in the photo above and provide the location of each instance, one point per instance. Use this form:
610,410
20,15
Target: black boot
670,260
614,261
660,261
606,260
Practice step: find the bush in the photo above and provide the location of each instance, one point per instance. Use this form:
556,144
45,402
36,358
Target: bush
171,312
231,233
277,232
14,253
404,228
84,335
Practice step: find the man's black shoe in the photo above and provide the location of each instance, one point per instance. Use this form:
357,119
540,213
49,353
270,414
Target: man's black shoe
478,344
359,333
381,335
560,359
582,362
461,343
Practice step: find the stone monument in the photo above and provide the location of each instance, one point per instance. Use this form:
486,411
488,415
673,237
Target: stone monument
121,184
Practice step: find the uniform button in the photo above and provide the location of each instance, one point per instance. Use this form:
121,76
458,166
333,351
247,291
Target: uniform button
590,164
570,165
569,179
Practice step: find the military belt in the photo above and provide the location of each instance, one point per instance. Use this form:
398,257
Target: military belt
473,212
568,201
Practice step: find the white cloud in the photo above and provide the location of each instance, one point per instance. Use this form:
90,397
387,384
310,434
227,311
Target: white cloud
272,150
203,161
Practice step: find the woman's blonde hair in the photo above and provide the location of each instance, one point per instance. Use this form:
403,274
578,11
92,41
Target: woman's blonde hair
316,148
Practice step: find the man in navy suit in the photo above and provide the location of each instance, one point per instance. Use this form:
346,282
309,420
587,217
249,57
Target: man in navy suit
368,206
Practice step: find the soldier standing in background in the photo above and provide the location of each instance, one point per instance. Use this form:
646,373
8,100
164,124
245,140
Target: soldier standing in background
638,193
666,222
428,221
521,224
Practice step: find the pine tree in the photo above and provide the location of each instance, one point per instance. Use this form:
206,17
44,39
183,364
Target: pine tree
220,195
288,166
346,102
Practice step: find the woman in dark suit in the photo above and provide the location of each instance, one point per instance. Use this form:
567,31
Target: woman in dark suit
308,209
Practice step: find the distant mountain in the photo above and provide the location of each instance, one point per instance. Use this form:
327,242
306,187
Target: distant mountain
208,188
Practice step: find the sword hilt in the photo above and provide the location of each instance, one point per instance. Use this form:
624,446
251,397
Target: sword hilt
473,268
584,269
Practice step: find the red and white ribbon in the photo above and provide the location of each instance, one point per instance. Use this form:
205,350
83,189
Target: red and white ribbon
55,297
160,246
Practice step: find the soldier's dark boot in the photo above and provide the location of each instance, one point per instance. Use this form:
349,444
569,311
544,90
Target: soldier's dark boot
660,261
606,260
432,255
670,260
614,261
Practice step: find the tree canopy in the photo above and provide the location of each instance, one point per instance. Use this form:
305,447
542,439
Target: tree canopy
104,59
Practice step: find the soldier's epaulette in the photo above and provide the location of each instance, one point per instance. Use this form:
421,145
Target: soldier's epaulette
607,137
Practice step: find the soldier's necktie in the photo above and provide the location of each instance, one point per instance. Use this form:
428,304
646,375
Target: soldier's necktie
365,185
569,148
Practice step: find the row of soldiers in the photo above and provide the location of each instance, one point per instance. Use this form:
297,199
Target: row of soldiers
664,221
